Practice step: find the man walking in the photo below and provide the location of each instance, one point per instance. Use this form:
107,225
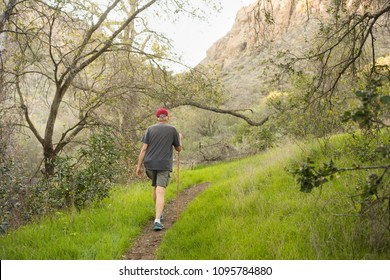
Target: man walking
157,156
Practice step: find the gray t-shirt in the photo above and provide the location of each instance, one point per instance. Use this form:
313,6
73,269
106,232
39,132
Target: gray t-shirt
160,139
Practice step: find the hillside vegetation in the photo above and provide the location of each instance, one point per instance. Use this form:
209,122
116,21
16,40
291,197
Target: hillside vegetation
253,210
74,105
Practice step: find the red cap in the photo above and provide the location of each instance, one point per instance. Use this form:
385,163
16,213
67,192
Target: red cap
161,111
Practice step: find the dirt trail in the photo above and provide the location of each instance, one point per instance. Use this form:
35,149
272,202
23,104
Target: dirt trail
146,246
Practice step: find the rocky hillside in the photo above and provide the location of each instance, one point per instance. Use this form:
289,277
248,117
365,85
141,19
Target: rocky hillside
262,32
257,25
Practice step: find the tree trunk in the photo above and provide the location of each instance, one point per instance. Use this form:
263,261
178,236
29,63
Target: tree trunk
49,158
5,16
49,153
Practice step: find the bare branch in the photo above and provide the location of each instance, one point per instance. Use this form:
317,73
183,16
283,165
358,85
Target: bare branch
108,43
27,116
229,112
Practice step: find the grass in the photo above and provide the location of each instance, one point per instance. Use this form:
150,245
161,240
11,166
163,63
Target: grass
101,232
255,211
252,210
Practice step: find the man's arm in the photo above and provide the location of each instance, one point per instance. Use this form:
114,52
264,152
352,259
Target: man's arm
141,158
178,148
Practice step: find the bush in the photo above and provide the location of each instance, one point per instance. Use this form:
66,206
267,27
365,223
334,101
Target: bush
89,178
79,181
257,139
12,190
5,183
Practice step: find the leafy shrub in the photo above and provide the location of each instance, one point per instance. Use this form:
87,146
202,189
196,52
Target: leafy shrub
257,139
79,181
6,181
93,182
89,178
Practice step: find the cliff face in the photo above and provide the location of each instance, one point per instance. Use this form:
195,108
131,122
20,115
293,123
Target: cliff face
259,24
246,56
260,31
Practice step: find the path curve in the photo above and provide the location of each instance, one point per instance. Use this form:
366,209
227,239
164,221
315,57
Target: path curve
146,246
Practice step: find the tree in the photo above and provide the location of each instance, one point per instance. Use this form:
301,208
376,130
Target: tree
7,119
347,77
5,16
67,50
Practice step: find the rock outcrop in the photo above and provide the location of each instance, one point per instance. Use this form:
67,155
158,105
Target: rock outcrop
255,25
248,55
267,21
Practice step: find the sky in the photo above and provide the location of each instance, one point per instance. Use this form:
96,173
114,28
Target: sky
192,38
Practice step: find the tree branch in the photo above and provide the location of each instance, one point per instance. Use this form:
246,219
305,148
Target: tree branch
26,115
108,43
385,167
223,111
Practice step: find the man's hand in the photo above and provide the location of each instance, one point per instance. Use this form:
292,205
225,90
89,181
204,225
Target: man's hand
140,171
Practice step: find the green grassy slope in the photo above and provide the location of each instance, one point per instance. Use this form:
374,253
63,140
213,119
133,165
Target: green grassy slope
252,210
101,232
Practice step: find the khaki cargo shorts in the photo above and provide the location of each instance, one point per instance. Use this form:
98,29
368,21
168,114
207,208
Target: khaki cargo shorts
159,178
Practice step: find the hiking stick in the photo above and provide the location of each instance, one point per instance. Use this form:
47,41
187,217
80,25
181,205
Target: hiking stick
177,186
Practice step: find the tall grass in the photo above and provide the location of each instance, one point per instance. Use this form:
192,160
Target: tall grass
104,231
255,211
252,210
100,232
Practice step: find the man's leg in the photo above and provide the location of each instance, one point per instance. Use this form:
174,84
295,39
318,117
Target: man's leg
159,201
154,195
153,176
162,180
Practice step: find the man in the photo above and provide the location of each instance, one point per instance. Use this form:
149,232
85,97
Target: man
157,156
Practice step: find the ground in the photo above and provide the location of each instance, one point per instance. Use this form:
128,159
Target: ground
146,246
